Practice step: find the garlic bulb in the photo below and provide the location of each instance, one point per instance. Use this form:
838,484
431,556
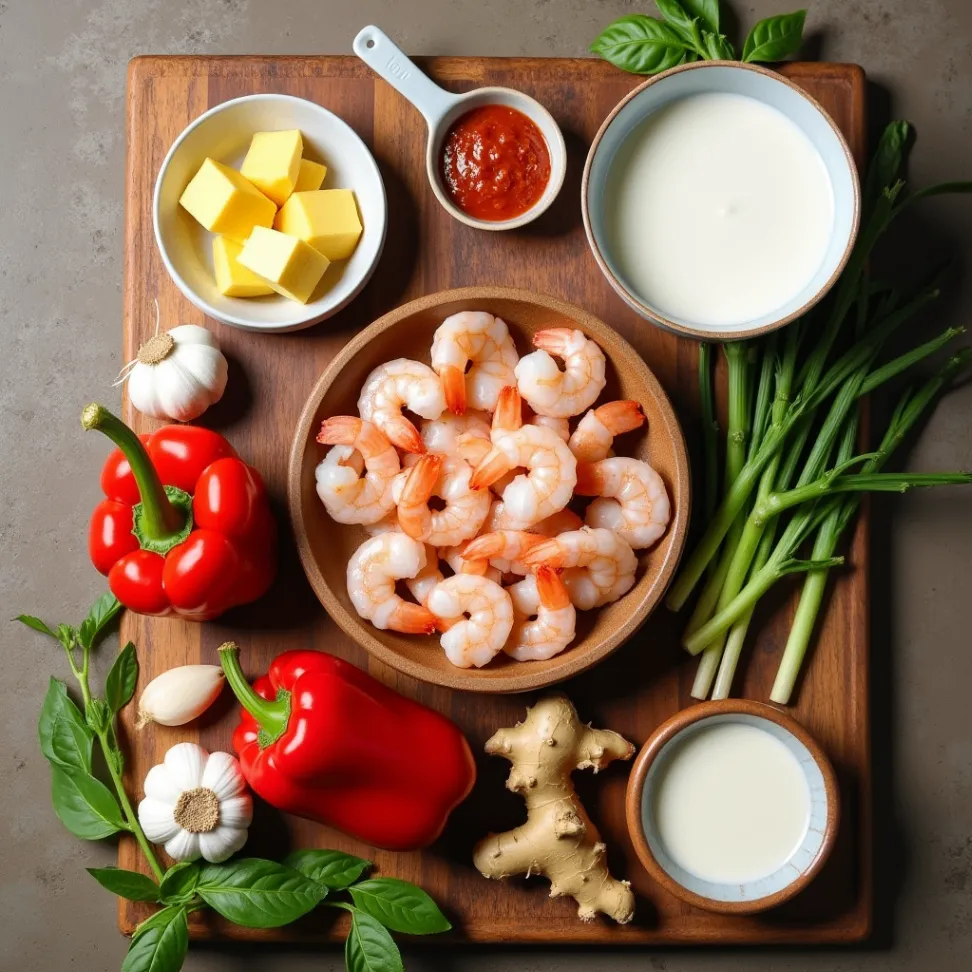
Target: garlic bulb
180,695
178,374
197,804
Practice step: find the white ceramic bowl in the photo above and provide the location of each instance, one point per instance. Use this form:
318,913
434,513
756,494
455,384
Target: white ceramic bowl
224,133
702,77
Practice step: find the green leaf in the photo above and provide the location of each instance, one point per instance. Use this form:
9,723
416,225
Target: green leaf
717,47
685,26
886,162
179,882
65,739
939,189
65,634
35,623
640,44
121,679
100,615
706,11
84,804
369,947
774,38
126,884
257,893
160,944
97,714
400,906
331,868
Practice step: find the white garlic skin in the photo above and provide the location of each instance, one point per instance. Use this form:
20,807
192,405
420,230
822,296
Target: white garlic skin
180,695
186,382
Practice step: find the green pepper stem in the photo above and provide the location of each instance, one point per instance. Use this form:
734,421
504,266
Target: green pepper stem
272,714
160,518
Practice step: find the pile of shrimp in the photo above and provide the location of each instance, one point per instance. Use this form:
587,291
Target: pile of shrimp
468,510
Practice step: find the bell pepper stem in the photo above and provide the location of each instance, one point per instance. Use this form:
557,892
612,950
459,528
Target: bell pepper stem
160,519
272,714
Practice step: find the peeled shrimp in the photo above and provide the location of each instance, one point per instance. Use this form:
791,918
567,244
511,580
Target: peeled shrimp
559,425
422,583
594,436
544,596
359,447
455,557
396,385
560,394
632,499
480,338
477,615
504,549
442,434
373,571
551,473
447,477
604,565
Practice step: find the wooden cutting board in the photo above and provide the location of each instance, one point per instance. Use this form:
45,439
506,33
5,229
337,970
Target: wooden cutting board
634,690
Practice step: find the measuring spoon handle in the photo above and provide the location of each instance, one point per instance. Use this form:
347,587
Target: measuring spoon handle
388,61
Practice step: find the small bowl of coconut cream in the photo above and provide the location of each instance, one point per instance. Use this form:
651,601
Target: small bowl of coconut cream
720,200
732,806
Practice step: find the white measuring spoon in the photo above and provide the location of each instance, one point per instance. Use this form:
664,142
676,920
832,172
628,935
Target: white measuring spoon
441,108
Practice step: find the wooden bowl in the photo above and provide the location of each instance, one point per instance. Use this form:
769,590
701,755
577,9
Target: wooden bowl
793,876
325,547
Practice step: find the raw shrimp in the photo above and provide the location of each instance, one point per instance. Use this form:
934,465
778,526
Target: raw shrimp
480,338
359,448
591,441
544,619
632,499
442,434
447,477
551,473
396,385
373,571
601,565
504,549
477,615
560,394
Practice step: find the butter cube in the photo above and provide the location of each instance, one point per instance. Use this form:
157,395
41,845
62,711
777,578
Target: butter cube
224,202
273,163
232,278
287,264
325,218
310,176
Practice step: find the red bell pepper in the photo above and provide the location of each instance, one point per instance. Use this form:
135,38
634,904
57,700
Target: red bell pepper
186,527
322,739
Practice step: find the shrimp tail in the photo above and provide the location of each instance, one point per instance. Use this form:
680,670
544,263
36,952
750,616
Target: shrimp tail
402,433
622,416
590,481
471,447
493,467
551,589
508,416
549,553
454,386
412,503
409,618
340,430
553,340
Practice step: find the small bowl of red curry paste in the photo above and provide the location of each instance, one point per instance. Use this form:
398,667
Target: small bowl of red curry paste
495,157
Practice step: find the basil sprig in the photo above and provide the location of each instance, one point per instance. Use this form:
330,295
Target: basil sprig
689,31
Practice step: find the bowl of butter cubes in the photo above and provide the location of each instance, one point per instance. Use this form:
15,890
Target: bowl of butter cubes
269,213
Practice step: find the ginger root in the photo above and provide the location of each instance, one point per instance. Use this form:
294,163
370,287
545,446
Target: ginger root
558,839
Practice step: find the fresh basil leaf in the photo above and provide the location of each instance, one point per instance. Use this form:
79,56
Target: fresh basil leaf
121,679
160,944
705,11
179,882
84,804
65,739
400,906
97,715
686,26
257,893
126,884
369,947
35,623
331,868
717,47
774,38
640,44
886,162
100,615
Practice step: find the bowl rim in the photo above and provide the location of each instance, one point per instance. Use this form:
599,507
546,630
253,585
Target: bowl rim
554,184
654,316
525,677
674,726
311,314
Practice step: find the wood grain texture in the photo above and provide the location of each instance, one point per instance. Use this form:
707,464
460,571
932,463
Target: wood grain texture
634,690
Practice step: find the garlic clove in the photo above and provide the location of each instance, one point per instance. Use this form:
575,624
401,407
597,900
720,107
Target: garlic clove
236,811
180,695
221,843
185,763
159,785
181,396
157,820
223,776
184,846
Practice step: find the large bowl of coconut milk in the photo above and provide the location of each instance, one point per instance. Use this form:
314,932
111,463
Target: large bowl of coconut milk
720,200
